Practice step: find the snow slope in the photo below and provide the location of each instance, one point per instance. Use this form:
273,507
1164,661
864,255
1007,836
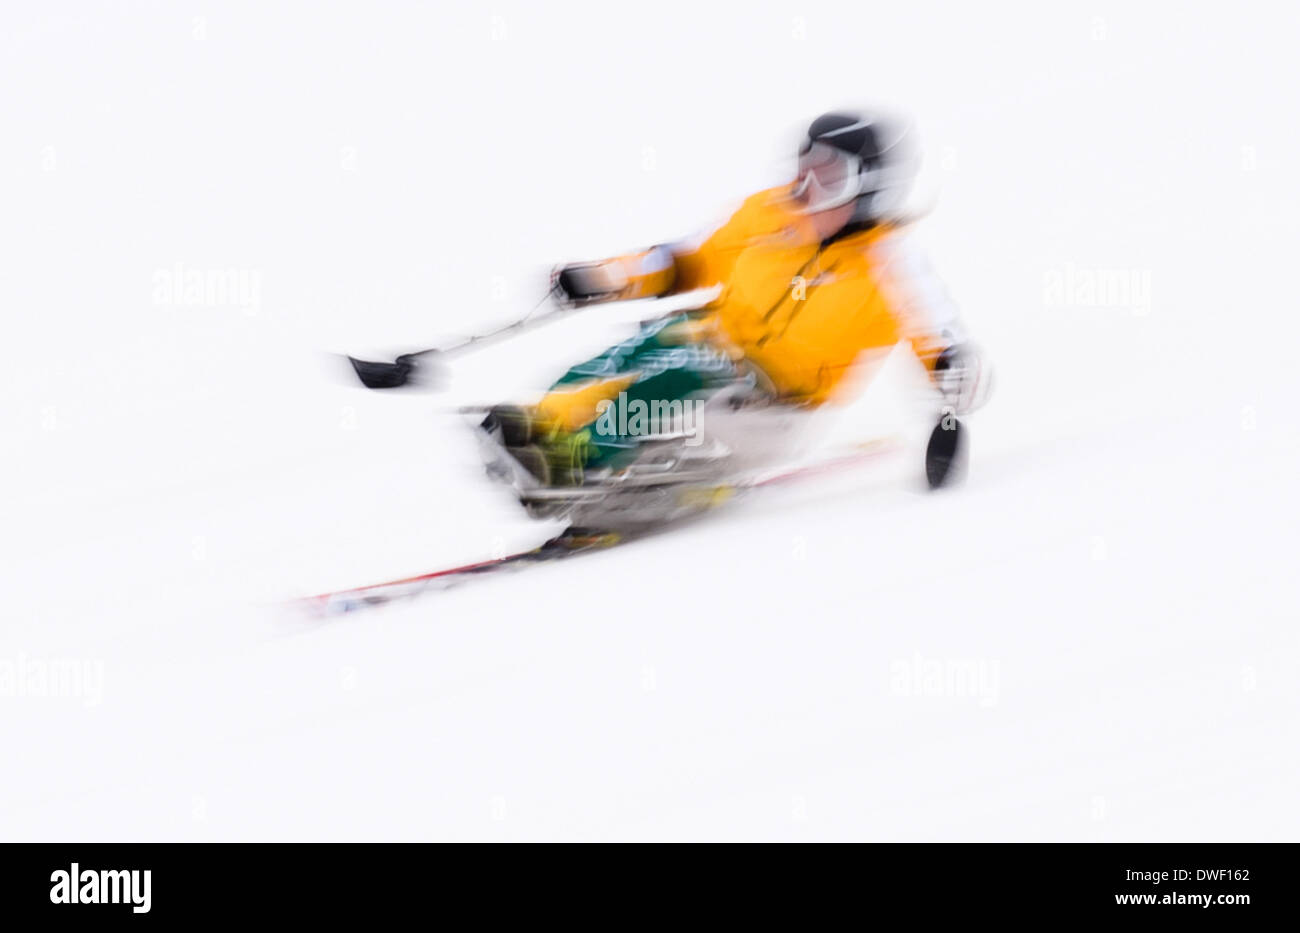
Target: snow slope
1094,639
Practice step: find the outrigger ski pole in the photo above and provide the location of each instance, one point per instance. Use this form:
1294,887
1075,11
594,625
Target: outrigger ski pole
405,368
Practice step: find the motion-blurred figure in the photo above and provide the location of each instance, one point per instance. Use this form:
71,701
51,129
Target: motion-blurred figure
809,276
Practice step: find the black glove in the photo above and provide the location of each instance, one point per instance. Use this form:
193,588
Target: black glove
589,281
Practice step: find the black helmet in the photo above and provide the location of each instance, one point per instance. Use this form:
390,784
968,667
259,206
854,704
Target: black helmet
847,156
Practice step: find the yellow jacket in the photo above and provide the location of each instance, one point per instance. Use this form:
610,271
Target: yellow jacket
801,310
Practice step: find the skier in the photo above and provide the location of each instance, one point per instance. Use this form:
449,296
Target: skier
809,277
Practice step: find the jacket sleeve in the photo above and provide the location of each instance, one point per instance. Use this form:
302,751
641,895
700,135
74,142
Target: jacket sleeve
672,268
709,263
928,318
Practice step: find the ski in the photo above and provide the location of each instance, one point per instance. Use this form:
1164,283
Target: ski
567,544
573,542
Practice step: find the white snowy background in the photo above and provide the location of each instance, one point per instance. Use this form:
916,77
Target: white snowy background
1118,573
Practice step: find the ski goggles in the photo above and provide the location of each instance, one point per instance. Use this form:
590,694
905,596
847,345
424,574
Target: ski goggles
828,177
